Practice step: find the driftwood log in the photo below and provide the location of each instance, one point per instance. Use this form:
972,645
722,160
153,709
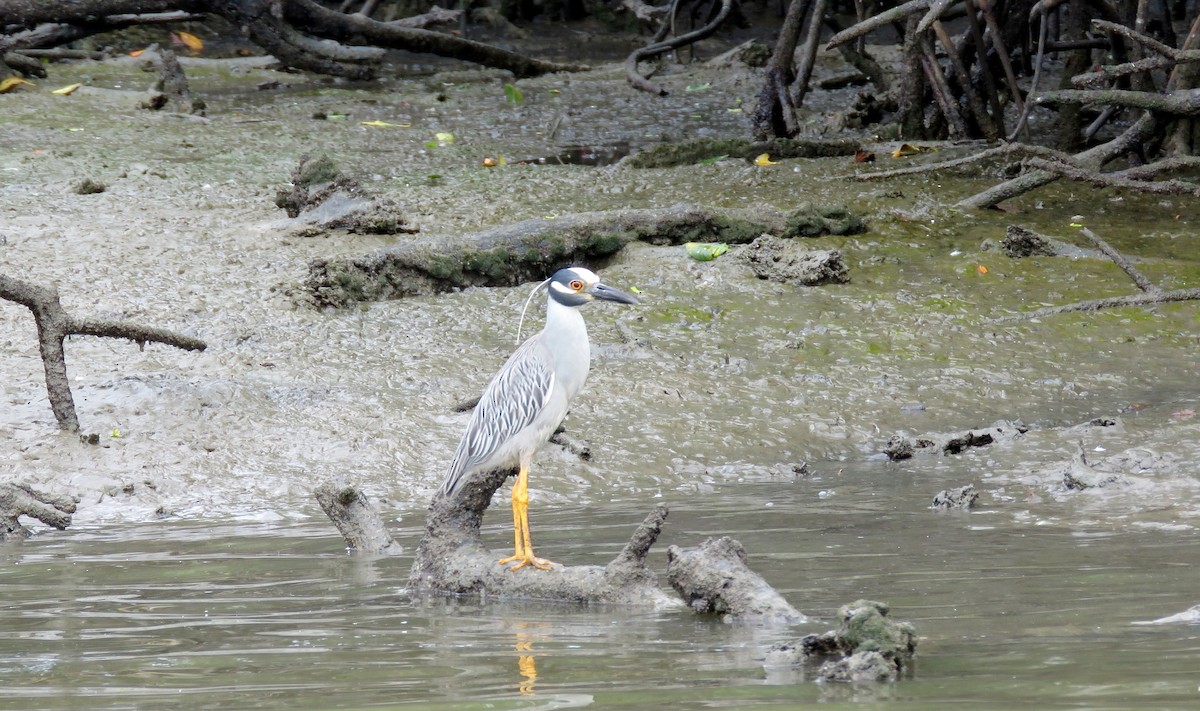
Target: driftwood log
18,500
54,324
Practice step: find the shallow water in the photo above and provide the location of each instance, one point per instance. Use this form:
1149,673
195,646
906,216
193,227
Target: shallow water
247,615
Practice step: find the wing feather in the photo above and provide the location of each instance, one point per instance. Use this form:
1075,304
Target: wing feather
510,403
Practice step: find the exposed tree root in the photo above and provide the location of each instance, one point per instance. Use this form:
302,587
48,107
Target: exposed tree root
661,46
299,33
358,522
714,578
451,557
54,324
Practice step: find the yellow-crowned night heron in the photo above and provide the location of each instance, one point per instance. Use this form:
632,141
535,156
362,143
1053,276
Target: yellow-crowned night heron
529,397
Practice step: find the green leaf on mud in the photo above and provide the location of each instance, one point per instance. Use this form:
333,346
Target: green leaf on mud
705,251
513,94
699,87
710,161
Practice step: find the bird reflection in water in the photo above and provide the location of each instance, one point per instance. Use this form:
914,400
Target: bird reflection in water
526,663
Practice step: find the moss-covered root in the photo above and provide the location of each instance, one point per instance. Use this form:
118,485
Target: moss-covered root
867,645
518,253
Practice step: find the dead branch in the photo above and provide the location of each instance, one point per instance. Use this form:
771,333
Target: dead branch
653,50
1006,150
1143,282
54,324
1114,302
299,33
18,500
1094,158
1151,292
714,579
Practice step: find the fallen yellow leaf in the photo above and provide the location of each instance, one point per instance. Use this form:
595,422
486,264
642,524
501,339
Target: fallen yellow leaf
981,269
137,53
765,159
67,90
908,149
384,124
189,40
9,83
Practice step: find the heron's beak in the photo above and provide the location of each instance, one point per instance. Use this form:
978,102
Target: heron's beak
608,293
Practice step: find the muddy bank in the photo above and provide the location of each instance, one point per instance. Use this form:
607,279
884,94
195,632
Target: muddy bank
731,376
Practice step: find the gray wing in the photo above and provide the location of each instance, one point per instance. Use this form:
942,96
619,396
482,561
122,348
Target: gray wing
510,403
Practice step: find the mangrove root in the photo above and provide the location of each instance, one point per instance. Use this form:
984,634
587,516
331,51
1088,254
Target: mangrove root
358,521
451,557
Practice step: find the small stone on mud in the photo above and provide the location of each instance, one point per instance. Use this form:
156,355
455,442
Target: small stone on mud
1019,242
783,260
87,186
963,497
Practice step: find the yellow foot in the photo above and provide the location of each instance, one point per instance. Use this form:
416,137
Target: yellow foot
527,559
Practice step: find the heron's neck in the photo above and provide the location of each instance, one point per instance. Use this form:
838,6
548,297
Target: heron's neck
566,335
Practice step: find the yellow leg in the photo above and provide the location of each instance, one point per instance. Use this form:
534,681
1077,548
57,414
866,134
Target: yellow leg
518,535
523,553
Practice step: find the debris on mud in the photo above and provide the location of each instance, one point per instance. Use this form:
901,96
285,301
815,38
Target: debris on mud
171,88
670,155
901,447
787,261
1019,242
963,497
321,198
18,500
867,646
714,578
358,522
1080,475
87,186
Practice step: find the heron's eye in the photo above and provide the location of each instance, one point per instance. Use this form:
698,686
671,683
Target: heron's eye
576,284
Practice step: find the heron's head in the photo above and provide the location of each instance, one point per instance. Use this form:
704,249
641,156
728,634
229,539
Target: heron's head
575,286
